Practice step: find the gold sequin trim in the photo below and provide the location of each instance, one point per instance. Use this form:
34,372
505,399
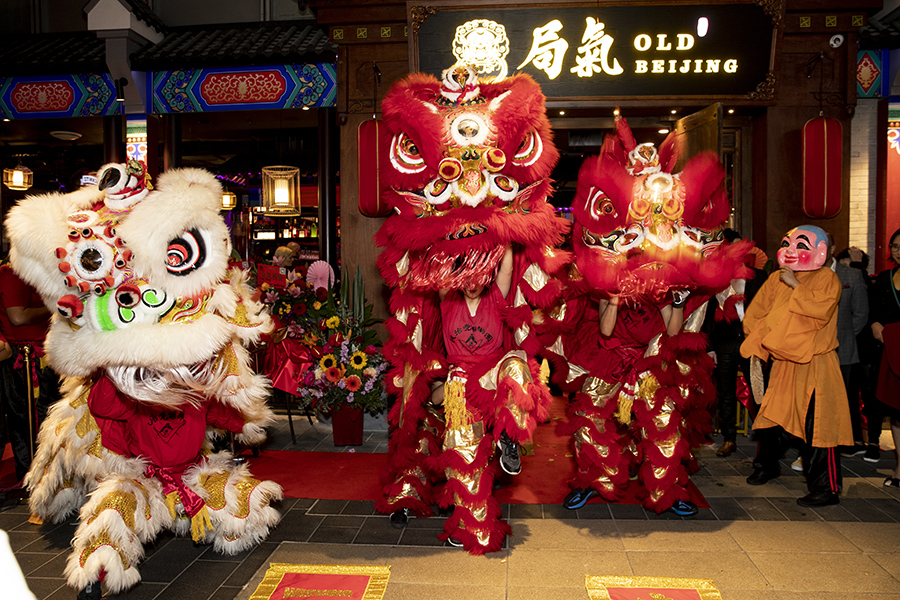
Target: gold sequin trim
240,315
227,357
123,503
215,487
244,488
101,540
81,398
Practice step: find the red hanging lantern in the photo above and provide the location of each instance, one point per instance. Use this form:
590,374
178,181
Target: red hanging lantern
368,156
822,168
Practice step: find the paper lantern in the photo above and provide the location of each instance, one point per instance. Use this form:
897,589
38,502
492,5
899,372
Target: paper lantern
822,168
371,203
281,190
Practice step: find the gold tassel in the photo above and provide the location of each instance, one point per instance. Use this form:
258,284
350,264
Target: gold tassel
171,500
455,405
200,524
623,413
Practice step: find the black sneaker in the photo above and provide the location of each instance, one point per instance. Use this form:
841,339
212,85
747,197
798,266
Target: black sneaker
873,454
579,497
855,450
90,592
454,542
683,508
399,518
510,461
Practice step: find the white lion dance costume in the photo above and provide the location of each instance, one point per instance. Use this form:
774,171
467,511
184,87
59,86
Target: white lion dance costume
466,169
150,338
643,236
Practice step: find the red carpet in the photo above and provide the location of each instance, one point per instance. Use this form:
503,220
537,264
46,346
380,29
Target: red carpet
355,476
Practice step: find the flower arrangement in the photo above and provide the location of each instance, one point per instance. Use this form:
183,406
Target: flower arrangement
333,322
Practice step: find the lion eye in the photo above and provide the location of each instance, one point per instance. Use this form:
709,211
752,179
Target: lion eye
186,253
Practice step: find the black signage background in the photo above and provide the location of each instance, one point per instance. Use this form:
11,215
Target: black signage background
743,32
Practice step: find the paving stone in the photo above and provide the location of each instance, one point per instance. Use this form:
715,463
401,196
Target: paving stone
258,556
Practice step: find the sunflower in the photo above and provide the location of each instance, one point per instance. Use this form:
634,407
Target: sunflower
328,361
353,383
358,360
333,374
332,322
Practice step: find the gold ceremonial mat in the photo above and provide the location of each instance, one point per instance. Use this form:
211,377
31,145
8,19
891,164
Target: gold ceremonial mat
650,588
322,582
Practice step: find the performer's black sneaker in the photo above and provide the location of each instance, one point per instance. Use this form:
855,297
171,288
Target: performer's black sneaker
873,453
90,592
579,497
399,518
816,499
683,508
454,542
510,461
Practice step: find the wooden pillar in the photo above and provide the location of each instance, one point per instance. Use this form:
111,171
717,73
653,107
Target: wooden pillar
171,141
113,139
328,166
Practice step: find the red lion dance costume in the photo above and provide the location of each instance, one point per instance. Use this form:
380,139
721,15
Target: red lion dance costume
151,339
641,235
466,171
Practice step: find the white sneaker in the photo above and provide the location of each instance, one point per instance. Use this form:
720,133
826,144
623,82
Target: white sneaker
797,465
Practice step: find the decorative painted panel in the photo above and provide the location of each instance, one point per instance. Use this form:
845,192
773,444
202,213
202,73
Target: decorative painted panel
78,95
229,88
870,68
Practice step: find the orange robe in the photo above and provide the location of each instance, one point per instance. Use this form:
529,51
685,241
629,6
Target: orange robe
798,329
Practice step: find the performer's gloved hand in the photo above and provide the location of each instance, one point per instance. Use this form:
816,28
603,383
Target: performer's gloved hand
251,435
679,298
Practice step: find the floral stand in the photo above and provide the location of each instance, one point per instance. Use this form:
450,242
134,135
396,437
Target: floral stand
347,426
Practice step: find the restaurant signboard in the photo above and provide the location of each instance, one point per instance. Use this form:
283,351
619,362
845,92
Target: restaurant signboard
673,50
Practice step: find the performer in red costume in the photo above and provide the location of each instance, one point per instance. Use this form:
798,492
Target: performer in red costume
625,337
476,338
466,171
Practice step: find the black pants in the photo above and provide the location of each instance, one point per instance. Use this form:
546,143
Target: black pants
726,372
852,383
14,402
821,466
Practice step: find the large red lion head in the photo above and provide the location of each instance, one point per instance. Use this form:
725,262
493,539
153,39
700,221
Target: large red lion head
642,231
466,167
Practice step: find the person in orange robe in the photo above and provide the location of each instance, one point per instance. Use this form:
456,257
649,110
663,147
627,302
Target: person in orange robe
793,321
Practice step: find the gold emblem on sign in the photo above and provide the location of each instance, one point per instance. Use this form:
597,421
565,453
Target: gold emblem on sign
483,44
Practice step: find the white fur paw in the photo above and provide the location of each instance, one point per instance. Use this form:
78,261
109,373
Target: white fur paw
251,435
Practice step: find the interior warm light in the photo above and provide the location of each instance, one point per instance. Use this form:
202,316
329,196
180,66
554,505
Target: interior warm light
730,111
663,130
702,26
18,179
674,111
281,190
282,196
562,112
616,112
229,200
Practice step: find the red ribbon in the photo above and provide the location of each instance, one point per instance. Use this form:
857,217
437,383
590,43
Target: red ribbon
170,477
285,364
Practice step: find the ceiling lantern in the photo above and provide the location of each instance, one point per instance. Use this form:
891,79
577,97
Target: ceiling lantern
18,179
281,190
229,200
